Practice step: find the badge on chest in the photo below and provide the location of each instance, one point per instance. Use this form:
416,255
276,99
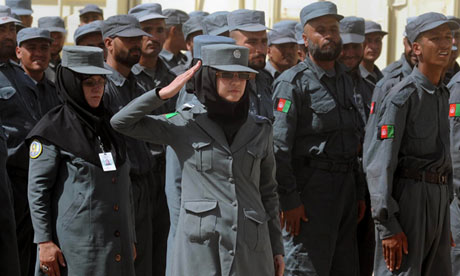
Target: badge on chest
107,162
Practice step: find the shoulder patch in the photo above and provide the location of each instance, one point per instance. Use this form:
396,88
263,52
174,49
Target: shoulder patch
386,132
36,149
283,105
170,115
454,110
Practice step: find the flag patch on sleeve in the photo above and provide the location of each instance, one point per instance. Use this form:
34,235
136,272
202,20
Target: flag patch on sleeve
454,110
387,132
283,105
170,115
372,108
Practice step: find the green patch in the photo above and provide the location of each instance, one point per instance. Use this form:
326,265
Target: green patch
170,115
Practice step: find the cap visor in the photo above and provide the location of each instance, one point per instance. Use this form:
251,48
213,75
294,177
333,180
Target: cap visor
132,33
22,11
252,28
151,16
320,14
351,38
452,25
301,42
88,11
35,37
56,29
90,70
283,40
234,68
6,19
372,31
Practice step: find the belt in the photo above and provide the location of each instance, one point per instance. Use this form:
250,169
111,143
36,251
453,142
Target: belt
331,166
424,176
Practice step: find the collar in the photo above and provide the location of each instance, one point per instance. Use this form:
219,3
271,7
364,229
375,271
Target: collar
117,78
363,71
320,72
166,54
424,82
270,69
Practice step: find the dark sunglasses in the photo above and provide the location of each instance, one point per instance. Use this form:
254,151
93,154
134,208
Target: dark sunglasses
239,75
94,83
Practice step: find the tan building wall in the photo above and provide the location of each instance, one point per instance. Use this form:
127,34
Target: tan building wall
391,14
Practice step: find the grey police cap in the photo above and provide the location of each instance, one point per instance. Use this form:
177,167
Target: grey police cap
246,20
175,17
226,57
84,60
92,27
408,20
32,33
147,11
454,18
6,16
52,24
198,13
298,33
124,25
352,30
286,24
91,8
201,40
20,7
281,35
318,9
215,23
194,24
427,21
371,27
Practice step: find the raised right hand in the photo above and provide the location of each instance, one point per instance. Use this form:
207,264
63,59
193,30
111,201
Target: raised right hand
393,247
51,256
175,86
291,219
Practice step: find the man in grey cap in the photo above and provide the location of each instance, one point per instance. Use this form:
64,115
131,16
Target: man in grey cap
90,13
317,134
410,176
175,42
216,24
56,26
90,35
282,50
192,28
23,9
123,39
372,49
453,67
247,28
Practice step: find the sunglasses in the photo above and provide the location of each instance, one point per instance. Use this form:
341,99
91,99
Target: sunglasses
239,75
93,83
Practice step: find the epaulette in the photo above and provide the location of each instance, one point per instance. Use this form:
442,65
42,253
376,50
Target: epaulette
186,106
6,88
294,71
455,79
403,91
392,66
265,74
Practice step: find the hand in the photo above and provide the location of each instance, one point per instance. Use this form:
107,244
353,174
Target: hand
279,265
175,86
392,250
361,210
51,256
452,241
291,219
134,252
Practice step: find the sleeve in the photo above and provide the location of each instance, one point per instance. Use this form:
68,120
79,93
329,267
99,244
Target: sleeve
43,170
382,166
268,190
134,120
284,134
133,214
455,139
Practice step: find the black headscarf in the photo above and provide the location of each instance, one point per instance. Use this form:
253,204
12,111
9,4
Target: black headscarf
76,127
229,115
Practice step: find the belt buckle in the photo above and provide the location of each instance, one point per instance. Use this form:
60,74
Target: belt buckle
442,179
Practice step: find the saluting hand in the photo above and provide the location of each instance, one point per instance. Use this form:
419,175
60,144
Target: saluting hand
51,257
279,265
291,219
175,86
393,247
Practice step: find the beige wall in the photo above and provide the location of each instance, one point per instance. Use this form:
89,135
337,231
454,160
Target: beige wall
391,14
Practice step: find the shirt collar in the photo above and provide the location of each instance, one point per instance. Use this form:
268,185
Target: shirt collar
117,78
167,54
424,82
270,69
320,72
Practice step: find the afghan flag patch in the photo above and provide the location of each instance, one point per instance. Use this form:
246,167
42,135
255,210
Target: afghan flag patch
283,105
170,115
454,110
372,108
387,132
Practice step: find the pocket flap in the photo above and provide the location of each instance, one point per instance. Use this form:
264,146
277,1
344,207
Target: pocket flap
254,216
255,151
7,92
322,101
199,206
200,145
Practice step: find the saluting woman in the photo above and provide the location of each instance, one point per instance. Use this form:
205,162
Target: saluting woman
228,222
79,187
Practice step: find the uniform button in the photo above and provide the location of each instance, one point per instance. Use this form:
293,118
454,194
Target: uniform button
234,227
234,203
231,252
230,180
118,257
115,207
230,158
117,233
114,179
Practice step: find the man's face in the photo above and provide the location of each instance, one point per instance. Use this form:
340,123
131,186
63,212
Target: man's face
408,53
151,46
90,17
372,46
34,54
94,40
26,20
58,43
434,47
351,55
126,50
189,41
284,56
456,42
323,38
7,40
257,44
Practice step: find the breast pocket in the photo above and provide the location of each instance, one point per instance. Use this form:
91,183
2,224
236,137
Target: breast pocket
322,105
200,220
256,234
6,92
252,160
203,156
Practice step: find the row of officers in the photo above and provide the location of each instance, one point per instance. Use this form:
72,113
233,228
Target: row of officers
128,157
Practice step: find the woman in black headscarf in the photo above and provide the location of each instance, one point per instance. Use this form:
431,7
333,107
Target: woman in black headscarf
228,222
79,188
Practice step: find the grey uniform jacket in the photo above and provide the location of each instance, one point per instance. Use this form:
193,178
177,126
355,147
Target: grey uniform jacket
260,95
228,222
84,210
454,118
415,118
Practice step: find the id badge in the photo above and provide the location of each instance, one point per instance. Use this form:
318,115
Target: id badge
107,162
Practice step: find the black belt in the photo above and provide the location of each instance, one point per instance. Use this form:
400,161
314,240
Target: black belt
331,166
424,176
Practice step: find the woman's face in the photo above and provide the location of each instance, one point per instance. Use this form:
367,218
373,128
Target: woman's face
93,89
231,85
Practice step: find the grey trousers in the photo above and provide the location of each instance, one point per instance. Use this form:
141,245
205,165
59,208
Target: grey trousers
455,228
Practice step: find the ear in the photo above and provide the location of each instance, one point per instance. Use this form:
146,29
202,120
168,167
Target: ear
18,52
417,48
305,40
108,43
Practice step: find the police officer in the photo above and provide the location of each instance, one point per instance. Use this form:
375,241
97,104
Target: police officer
192,28
55,25
372,49
316,140
247,28
175,42
228,220
409,179
282,49
302,49
90,13
23,9
79,190
90,35
453,67
216,24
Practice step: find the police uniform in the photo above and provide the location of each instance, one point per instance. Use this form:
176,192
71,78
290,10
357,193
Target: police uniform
283,32
52,24
174,17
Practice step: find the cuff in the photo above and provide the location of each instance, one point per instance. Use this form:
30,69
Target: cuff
290,201
389,228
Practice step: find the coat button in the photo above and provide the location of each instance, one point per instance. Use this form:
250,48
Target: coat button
230,179
115,207
117,233
234,227
234,203
117,257
231,253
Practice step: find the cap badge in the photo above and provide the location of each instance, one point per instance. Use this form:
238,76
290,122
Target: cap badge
237,53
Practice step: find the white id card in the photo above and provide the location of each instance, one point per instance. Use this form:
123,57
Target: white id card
107,162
